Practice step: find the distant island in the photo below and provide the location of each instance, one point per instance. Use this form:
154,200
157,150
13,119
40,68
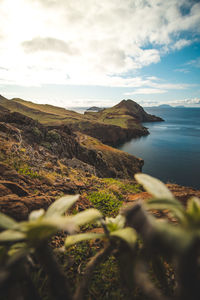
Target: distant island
165,106
169,106
160,106
95,109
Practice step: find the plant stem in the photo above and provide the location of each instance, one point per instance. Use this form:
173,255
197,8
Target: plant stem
188,273
56,277
145,284
95,260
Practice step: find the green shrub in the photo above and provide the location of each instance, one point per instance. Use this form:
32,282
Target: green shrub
53,136
46,145
125,187
106,202
26,170
36,132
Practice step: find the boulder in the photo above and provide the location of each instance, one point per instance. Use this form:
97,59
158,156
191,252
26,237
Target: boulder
14,188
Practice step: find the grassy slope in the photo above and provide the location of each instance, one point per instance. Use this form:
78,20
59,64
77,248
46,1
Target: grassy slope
117,115
46,114
52,115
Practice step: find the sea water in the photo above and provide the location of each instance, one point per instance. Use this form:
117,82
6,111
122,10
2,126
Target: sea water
171,152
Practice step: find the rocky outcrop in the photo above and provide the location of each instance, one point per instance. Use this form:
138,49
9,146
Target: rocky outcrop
55,143
112,135
132,108
112,126
20,207
182,193
37,164
117,124
14,188
108,160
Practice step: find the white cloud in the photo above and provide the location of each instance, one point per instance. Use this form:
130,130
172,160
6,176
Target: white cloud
181,43
193,102
89,42
146,91
171,86
182,70
155,86
49,44
187,102
194,62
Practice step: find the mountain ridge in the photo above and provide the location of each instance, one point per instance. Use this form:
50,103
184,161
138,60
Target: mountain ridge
111,125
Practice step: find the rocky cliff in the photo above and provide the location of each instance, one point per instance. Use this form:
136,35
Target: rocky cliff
126,114
40,163
111,126
64,144
119,123
107,133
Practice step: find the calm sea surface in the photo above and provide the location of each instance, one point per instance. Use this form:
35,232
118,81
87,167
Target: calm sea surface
172,150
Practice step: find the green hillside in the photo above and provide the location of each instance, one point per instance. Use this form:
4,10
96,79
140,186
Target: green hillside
126,114
111,126
44,113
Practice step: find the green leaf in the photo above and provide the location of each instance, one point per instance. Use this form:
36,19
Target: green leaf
174,237
115,223
87,216
73,239
45,227
60,206
127,234
6,222
170,204
36,214
193,212
11,236
193,206
41,231
16,248
154,186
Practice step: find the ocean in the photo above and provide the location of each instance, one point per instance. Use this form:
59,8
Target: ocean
171,151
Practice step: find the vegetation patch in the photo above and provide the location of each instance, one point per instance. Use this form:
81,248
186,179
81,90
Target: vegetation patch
106,202
36,132
105,283
53,136
26,170
120,188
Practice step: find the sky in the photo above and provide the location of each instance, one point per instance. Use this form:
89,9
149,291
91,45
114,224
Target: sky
97,52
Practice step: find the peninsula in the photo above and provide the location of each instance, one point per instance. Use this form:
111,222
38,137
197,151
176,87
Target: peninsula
52,150
111,126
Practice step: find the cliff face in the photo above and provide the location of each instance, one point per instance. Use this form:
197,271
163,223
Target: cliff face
38,163
133,109
107,133
127,114
119,123
111,126
61,143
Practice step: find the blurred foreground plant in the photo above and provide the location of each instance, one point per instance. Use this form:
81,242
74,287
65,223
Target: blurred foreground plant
149,250
178,243
19,240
